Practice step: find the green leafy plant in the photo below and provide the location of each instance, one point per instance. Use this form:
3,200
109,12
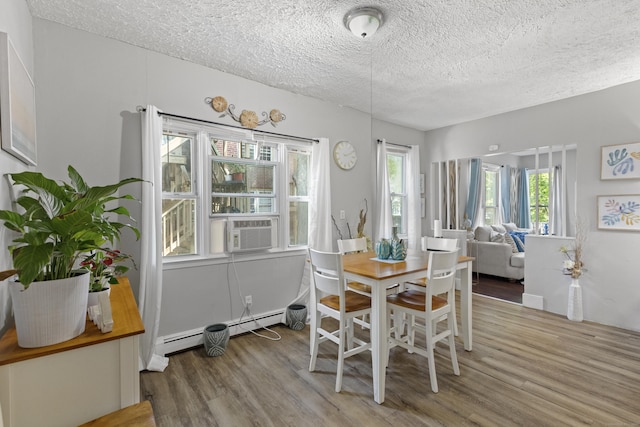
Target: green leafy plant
60,222
104,267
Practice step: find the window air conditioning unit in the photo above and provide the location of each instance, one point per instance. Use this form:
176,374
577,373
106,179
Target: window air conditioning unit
249,234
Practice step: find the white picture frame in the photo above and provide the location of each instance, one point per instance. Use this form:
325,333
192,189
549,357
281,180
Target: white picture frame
17,105
619,212
620,161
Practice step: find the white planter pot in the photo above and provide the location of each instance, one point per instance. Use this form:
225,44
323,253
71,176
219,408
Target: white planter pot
93,297
50,312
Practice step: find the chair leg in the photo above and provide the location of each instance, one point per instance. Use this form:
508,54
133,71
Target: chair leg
398,323
350,332
411,331
432,363
455,320
452,346
315,337
340,357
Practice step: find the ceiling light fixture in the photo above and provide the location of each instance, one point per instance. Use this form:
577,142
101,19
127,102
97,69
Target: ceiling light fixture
363,22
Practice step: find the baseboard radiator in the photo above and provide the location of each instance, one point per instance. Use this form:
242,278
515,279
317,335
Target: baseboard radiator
168,344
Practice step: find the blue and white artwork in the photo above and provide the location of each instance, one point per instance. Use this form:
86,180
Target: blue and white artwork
620,212
621,161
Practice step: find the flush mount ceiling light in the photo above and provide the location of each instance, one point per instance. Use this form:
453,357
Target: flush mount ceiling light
363,22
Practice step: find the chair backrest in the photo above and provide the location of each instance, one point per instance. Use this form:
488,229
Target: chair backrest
438,244
347,246
327,274
441,274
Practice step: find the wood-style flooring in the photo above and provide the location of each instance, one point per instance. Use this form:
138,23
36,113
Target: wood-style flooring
498,287
527,368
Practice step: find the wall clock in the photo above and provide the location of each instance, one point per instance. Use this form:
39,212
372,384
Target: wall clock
345,155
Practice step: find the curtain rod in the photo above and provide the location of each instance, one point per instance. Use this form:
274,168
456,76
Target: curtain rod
160,113
397,145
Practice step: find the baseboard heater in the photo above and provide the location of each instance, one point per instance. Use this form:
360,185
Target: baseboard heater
187,339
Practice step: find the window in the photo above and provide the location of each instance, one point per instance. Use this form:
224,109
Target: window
491,195
211,175
298,163
539,206
240,184
396,169
179,199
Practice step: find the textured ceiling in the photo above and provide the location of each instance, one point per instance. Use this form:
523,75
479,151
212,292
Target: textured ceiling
431,64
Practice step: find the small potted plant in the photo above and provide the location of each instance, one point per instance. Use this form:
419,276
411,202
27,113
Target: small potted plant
104,268
57,224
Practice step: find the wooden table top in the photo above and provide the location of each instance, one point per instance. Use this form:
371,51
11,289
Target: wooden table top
365,264
126,322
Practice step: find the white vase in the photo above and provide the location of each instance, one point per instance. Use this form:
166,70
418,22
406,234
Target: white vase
574,310
50,312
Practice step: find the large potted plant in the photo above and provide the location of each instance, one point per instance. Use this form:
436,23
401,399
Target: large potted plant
57,225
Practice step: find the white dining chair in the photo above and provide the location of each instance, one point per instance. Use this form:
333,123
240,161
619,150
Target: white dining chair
434,305
435,244
348,246
330,297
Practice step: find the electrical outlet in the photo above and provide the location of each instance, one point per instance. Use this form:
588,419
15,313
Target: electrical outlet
342,214
248,300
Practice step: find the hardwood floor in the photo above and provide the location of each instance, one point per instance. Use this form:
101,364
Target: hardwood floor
498,287
527,367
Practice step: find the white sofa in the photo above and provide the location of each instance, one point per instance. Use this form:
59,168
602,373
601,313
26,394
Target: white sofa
496,258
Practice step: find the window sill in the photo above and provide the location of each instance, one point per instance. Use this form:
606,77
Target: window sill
195,261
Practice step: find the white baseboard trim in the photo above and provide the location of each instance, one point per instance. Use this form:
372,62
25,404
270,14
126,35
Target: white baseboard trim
533,301
168,344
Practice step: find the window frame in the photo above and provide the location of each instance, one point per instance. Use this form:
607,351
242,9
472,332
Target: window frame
488,168
404,197
534,209
202,183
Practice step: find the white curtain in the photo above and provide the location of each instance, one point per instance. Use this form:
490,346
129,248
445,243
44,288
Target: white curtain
555,211
150,294
320,232
383,195
414,217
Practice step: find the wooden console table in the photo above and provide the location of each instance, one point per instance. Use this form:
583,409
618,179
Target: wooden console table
75,381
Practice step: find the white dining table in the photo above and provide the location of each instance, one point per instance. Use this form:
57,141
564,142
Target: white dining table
379,274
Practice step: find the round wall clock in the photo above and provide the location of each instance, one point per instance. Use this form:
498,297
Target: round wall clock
345,155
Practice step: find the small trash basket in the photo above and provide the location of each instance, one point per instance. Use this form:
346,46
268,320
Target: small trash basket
216,338
296,316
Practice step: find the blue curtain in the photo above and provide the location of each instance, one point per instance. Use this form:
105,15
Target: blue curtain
475,180
523,200
505,192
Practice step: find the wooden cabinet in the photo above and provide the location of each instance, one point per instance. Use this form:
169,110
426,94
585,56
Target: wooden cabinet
78,380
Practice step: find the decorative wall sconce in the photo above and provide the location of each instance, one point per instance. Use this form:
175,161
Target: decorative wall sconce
247,118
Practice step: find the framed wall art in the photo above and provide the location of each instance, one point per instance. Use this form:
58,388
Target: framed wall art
17,105
619,212
620,161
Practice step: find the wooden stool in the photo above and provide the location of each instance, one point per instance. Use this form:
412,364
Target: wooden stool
140,414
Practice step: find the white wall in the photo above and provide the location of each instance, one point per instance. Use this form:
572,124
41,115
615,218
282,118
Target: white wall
611,288
15,20
89,87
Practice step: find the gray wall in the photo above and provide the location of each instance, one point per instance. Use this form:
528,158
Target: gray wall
16,21
89,87
611,287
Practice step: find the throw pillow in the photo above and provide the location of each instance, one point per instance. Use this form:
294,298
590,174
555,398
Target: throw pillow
510,226
497,237
483,233
518,238
508,239
498,228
